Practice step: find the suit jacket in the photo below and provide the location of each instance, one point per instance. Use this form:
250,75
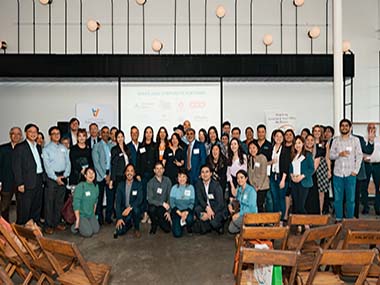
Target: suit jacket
307,169
198,158
88,141
118,162
100,161
6,174
133,151
215,197
367,148
23,165
135,201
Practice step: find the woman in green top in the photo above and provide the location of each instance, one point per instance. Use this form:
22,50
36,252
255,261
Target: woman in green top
84,204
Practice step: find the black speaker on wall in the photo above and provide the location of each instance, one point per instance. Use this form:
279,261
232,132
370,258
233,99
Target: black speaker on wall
63,127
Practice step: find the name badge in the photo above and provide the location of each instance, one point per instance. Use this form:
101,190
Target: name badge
187,193
349,148
196,150
161,152
63,150
245,197
211,196
84,166
170,154
87,193
159,191
134,193
121,154
257,164
142,150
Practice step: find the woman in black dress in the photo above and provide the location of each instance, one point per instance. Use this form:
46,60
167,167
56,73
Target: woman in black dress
174,158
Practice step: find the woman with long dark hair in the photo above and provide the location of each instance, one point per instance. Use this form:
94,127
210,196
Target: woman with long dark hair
213,138
236,161
162,142
218,166
174,158
120,156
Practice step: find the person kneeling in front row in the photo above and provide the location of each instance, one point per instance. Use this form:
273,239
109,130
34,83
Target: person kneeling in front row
129,199
210,209
84,204
182,197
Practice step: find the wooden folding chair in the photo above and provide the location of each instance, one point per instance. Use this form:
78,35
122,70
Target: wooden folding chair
83,272
39,260
302,220
4,278
259,219
17,259
361,240
267,257
313,239
362,258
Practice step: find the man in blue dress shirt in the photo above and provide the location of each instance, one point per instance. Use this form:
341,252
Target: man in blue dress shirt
57,165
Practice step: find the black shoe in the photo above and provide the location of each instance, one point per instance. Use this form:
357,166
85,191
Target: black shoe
220,231
115,235
377,212
109,222
365,212
153,230
189,230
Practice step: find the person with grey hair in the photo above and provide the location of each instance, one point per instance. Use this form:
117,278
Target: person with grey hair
7,180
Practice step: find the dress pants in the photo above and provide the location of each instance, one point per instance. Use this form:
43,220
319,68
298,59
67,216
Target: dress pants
5,203
299,196
156,215
132,219
54,201
29,203
374,170
110,200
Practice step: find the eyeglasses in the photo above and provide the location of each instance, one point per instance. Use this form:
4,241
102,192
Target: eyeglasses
55,134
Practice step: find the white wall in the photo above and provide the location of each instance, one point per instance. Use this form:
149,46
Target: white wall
45,103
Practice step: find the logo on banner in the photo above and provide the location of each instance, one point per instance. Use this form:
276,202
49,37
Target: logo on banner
95,112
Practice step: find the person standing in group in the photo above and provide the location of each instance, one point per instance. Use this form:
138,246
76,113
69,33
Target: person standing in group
84,205
80,158
289,138
162,142
182,199
257,173
57,165
235,133
119,159
202,136
40,139
301,171
73,131
112,138
210,208
236,161
28,171
129,199
195,156
248,136
226,128
347,153
372,167
213,138
147,157
174,158
94,135
101,156
225,144
218,166
7,179
158,191
247,197
279,173
265,146
134,144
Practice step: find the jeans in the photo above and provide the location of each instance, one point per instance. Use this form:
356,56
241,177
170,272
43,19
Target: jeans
278,195
176,226
157,216
132,218
344,187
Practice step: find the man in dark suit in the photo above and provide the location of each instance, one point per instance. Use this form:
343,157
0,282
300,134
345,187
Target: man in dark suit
28,173
209,209
133,145
195,156
94,135
7,181
73,131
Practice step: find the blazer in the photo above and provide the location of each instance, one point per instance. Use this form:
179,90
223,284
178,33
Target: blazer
6,174
23,165
215,197
257,172
133,152
100,161
135,201
88,141
307,169
367,148
118,162
198,158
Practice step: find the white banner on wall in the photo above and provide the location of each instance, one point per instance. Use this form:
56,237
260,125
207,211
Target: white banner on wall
279,120
102,114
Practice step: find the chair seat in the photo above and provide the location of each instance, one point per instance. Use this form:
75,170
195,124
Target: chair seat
353,270
322,278
44,265
76,275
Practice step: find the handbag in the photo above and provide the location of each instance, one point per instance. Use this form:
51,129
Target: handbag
68,211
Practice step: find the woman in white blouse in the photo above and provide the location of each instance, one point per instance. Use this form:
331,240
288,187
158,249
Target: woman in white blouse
237,160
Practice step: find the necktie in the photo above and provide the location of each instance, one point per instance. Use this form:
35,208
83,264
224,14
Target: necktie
189,157
93,142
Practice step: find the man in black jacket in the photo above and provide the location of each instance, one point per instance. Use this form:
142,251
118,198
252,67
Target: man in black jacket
210,209
28,173
7,181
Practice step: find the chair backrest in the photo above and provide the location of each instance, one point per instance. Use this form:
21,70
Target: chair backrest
370,238
343,257
264,233
269,257
312,220
51,247
261,219
26,235
360,225
324,233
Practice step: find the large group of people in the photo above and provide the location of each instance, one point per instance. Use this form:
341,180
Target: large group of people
186,181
